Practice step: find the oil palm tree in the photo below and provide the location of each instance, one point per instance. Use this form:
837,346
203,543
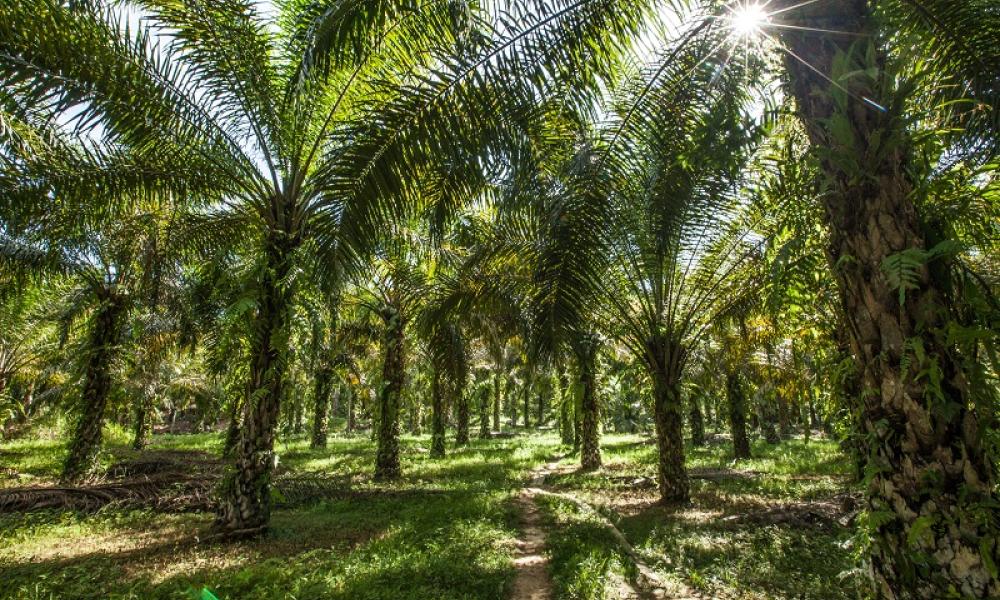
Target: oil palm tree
291,130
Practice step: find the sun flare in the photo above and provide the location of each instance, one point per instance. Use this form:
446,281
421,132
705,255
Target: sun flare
748,19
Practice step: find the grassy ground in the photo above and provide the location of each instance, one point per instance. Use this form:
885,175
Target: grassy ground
446,531
724,544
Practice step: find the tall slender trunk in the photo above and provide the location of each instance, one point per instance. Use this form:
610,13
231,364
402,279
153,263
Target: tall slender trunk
387,467
931,478
245,503
528,379
352,407
484,413
590,444
142,420
462,416
321,398
737,415
665,358
511,397
437,416
540,421
496,399
102,349
697,421
566,413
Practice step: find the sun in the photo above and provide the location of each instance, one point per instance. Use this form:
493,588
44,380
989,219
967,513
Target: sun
748,19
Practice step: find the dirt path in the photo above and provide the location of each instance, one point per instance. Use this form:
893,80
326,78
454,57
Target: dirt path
532,581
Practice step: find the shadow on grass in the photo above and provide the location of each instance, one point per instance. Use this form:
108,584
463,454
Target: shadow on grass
424,544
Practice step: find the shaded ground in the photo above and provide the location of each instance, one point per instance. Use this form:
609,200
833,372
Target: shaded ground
778,526
455,528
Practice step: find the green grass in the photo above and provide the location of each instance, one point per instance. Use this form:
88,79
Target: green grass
747,560
446,530
584,558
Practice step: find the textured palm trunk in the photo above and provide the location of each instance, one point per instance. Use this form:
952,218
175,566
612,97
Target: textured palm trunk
784,416
496,400
437,416
387,466
484,413
767,416
566,413
352,408
664,358
321,397
932,485
590,426
245,503
697,423
233,430
142,420
737,415
527,400
461,417
85,446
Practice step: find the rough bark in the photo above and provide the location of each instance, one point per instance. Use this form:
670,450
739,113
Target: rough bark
737,415
931,484
244,507
461,418
102,349
321,399
527,400
142,424
437,416
352,403
233,429
387,467
664,358
484,413
496,399
697,422
590,433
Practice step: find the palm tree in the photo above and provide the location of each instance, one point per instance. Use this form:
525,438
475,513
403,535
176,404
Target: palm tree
290,130
112,274
898,320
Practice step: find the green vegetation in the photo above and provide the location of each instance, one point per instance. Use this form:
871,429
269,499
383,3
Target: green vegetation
297,296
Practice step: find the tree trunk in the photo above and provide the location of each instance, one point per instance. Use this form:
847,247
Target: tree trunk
462,417
321,398
737,415
484,413
697,422
352,407
102,350
590,432
233,430
566,412
664,359
527,400
496,400
245,503
931,482
437,416
142,424
767,416
387,467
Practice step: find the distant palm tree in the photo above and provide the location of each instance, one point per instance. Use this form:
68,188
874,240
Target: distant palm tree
293,134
